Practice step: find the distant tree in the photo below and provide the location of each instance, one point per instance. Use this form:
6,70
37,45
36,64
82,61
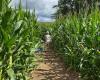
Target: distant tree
74,6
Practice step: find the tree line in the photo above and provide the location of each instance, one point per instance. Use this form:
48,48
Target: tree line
75,6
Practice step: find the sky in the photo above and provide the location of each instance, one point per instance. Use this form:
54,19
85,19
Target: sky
43,8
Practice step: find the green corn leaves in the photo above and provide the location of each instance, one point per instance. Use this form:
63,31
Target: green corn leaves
11,74
76,39
18,37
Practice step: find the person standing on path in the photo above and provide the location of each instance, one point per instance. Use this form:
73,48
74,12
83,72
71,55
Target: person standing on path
48,40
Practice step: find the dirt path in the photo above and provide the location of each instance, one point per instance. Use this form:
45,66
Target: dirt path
52,68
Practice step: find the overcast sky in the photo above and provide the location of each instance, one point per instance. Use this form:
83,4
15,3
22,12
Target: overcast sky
43,8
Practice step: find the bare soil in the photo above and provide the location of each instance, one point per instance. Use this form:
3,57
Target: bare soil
52,68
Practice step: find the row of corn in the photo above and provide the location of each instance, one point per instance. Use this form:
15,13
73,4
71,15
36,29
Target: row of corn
76,39
18,36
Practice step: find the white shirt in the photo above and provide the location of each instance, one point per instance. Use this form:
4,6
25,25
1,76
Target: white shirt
48,38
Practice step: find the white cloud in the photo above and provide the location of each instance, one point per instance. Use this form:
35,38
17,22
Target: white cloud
45,19
43,8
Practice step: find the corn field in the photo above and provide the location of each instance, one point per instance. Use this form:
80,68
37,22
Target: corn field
19,36
76,39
